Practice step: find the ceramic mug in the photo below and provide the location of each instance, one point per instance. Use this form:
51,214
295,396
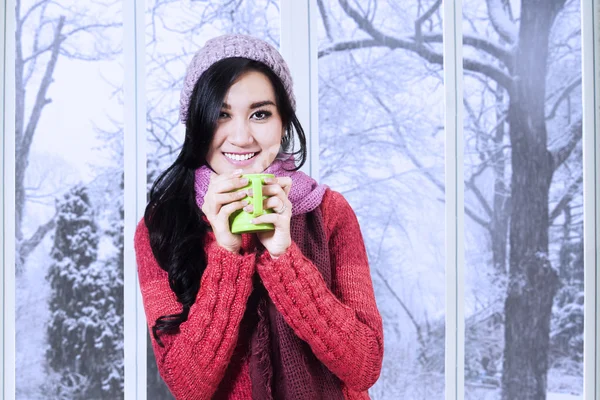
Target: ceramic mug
241,221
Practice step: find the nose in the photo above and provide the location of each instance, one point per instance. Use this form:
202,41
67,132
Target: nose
240,134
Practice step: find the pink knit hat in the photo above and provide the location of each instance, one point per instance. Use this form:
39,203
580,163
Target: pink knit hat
227,46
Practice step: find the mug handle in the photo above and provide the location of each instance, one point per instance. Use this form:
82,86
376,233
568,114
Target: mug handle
257,197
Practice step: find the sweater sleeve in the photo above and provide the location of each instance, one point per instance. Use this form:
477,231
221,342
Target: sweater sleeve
342,326
193,361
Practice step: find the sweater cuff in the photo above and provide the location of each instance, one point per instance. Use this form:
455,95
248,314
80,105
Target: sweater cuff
292,253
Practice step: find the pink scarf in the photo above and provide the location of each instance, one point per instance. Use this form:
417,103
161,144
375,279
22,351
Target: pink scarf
306,194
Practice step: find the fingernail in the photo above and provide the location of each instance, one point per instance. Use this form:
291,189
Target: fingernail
245,202
248,208
242,193
250,192
244,181
237,172
269,180
253,221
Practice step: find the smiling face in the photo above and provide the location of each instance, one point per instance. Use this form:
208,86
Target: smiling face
249,129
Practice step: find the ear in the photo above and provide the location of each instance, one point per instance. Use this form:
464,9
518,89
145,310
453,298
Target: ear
284,135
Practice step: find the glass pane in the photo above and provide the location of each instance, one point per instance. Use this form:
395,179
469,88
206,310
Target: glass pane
523,199
69,208
175,31
381,110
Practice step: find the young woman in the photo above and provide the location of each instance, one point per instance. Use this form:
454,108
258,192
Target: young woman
283,314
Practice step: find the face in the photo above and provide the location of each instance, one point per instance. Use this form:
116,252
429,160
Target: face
249,130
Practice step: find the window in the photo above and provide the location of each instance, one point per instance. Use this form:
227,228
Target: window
68,237
466,143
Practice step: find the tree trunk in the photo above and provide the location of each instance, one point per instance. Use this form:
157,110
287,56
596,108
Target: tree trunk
24,134
532,280
501,199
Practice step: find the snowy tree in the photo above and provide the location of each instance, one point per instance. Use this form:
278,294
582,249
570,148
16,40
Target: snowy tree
84,333
46,32
522,153
114,266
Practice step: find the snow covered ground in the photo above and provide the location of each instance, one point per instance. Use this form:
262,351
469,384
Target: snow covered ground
563,396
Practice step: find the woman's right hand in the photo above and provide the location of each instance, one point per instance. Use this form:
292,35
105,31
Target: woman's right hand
220,201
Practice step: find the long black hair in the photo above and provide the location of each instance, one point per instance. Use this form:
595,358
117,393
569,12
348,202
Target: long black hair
172,216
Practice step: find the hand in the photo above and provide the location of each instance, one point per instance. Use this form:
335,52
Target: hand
220,201
277,241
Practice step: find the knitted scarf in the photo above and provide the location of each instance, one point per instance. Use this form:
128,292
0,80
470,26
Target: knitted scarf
282,366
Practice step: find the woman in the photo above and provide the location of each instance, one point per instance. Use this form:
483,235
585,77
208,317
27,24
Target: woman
284,314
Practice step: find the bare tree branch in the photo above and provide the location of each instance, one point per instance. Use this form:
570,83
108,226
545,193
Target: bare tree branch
470,184
566,92
27,246
560,155
426,15
479,43
90,27
501,21
350,45
485,224
21,21
41,100
572,190
503,55
325,19
385,40
404,307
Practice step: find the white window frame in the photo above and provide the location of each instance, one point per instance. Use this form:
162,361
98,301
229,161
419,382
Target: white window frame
134,45
7,198
454,202
590,29
299,45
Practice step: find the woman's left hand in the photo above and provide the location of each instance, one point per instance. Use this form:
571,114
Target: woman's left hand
277,241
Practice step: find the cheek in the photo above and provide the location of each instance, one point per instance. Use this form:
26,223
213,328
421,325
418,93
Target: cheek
217,140
272,134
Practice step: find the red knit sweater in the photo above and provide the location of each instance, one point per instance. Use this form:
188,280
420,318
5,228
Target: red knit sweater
208,358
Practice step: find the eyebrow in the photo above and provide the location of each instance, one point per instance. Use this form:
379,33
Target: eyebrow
253,105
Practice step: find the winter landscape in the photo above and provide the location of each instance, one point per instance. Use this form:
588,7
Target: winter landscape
382,145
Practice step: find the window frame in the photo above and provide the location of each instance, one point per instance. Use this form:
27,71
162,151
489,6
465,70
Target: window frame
7,199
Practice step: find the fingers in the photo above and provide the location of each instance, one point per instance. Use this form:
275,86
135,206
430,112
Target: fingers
278,220
276,204
227,185
285,182
223,189
225,198
230,208
213,202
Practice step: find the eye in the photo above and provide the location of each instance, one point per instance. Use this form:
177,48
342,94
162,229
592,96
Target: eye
223,115
261,115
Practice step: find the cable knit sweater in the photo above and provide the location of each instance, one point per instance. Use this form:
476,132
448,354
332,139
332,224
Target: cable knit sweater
208,357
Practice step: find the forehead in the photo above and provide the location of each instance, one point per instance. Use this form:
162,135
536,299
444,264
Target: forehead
251,87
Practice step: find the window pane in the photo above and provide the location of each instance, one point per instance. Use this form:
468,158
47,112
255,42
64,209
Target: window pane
381,110
175,31
69,208
523,198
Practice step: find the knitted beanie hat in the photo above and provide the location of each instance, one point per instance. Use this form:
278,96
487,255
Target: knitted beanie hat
226,46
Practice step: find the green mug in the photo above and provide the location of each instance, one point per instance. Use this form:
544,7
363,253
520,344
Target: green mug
241,221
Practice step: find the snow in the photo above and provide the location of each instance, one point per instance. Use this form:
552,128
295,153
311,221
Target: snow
563,396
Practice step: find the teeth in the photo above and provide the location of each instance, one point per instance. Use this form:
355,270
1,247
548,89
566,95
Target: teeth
239,157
